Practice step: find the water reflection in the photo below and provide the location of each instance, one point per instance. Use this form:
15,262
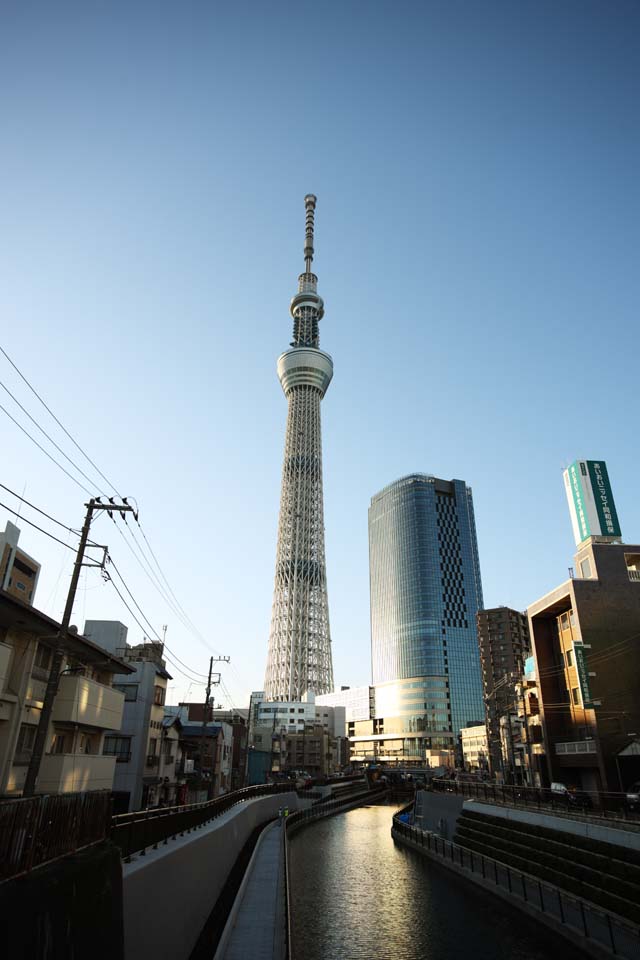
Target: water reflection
358,896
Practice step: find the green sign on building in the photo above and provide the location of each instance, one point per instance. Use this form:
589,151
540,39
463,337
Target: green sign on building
583,675
593,512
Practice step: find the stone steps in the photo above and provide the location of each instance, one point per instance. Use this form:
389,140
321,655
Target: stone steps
576,864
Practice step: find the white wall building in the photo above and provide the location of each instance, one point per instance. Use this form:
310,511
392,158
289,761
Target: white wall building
475,749
141,747
356,701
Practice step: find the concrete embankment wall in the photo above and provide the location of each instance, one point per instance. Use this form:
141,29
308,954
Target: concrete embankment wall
169,893
579,828
438,812
71,907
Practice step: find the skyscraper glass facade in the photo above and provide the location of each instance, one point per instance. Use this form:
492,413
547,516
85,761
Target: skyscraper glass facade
426,591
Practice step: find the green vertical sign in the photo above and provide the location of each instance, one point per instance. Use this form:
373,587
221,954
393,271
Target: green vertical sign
609,525
583,675
578,501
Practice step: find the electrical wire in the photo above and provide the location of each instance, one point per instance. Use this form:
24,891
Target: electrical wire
62,427
67,546
192,626
33,507
44,432
173,604
41,529
46,453
192,679
152,628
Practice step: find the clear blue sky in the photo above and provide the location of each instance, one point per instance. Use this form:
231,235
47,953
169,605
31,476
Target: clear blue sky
476,167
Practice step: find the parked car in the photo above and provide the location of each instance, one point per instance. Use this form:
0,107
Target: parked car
571,796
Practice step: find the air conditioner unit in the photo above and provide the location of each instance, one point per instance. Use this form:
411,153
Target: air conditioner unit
188,766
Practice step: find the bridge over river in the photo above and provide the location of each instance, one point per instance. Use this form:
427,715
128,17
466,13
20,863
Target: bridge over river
356,895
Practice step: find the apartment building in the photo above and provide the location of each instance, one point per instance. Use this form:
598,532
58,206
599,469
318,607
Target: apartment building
503,639
18,571
145,771
87,704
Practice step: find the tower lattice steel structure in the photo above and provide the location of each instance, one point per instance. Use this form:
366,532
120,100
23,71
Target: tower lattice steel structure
300,643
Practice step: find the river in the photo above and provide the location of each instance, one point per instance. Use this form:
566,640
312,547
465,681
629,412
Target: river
356,895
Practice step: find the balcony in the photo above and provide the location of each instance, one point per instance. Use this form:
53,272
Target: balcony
71,772
634,575
576,746
87,702
5,657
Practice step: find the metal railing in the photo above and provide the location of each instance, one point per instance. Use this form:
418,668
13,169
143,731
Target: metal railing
611,932
36,830
137,832
610,806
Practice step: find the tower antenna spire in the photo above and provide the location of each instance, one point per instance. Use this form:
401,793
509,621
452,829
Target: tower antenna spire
310,206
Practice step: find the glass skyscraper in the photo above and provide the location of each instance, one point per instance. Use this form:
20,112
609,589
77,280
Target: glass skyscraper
425,593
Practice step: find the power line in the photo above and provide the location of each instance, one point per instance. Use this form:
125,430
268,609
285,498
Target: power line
64,526
33,507
174,604
41,529
62,427
192,679
44,432
146,619
192,626
46,453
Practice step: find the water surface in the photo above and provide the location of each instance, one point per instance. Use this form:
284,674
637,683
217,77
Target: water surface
356,895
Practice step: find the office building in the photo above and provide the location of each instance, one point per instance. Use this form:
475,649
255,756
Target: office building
503,637
425,594
299,657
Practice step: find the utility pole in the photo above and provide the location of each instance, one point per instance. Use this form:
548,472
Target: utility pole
205,720
61,642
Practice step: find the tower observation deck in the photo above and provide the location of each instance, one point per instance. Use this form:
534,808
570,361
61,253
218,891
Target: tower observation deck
299,658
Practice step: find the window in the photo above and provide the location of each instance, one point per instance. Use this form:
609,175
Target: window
569,656
24,746
575,693
20,586
118,747
59,743
159,694
42,660
585,568
130,690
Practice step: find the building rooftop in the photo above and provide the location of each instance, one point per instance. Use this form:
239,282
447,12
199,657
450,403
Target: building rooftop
16,613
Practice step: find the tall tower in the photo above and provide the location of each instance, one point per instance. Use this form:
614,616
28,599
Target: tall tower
299,657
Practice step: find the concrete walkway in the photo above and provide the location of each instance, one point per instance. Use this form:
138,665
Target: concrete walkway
256,925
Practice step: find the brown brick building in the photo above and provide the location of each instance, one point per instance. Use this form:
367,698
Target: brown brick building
586,641
503,637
